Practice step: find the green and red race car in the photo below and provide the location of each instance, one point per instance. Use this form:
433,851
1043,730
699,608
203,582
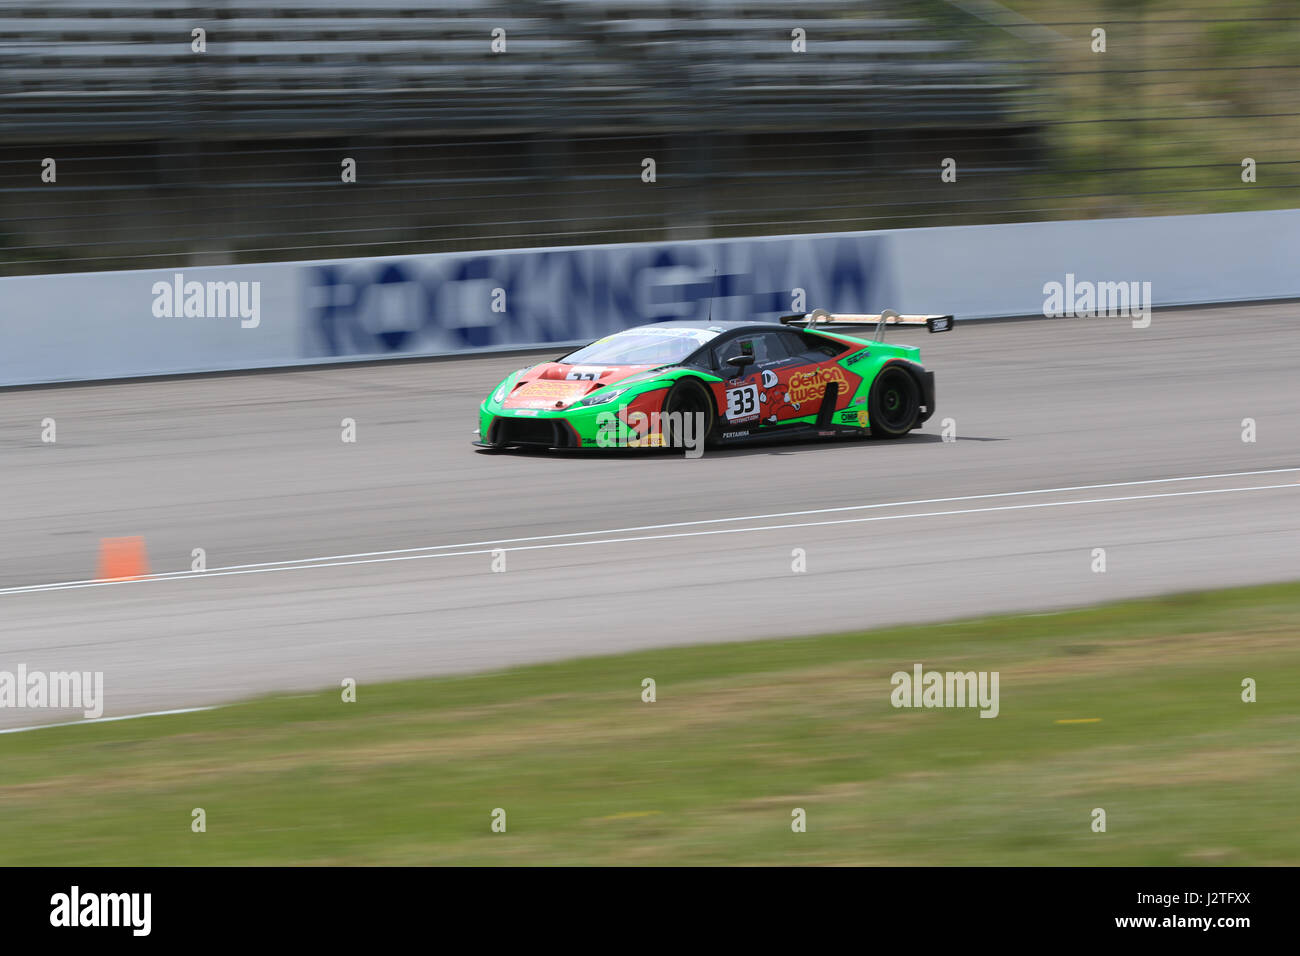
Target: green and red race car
738,382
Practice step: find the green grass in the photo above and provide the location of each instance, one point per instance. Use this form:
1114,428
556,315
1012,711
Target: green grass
708,774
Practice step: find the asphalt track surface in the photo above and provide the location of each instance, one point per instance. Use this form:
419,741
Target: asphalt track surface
372,560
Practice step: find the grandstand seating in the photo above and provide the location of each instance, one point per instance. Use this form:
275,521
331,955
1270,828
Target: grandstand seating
125,69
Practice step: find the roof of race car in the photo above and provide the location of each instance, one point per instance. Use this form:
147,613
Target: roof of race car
710,326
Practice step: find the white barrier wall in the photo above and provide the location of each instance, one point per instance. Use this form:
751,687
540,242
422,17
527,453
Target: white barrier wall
159,321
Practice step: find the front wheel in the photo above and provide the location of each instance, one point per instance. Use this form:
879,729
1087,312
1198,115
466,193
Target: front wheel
894,403
687,397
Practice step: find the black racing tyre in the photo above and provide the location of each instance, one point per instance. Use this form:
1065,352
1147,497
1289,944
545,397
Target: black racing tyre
894,403
687,396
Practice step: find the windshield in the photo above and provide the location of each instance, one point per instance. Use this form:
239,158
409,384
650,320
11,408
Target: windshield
647,345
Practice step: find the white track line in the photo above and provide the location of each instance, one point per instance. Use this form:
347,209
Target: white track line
297,562
106,720
394,556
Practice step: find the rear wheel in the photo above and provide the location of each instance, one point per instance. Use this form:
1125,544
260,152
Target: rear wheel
894,404
687,397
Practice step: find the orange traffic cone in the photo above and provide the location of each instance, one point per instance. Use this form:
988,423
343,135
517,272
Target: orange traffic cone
122,559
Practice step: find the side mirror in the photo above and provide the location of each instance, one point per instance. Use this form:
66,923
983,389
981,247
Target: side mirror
740,361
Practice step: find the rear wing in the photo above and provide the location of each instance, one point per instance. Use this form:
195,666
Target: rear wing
935,323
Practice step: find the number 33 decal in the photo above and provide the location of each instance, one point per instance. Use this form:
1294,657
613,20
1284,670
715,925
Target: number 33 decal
742,401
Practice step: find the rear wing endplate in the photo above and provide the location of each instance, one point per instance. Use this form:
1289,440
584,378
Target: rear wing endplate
935,323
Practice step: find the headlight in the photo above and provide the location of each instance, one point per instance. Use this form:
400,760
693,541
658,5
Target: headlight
602,397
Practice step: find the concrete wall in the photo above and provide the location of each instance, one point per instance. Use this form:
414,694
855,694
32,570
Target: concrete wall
117,324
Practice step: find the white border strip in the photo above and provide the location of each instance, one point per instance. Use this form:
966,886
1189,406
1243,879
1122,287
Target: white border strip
107,720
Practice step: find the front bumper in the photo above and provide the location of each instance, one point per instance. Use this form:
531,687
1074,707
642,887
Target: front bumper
578,426
502,431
